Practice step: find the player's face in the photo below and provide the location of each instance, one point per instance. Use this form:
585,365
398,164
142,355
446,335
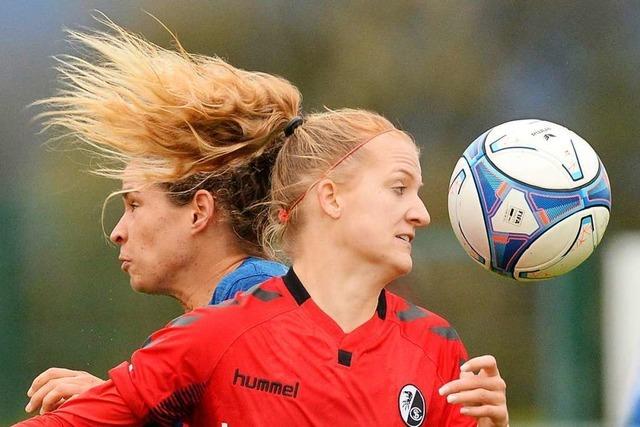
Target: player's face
153,238
382,205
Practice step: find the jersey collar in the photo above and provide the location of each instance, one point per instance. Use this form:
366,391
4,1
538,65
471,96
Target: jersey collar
300,294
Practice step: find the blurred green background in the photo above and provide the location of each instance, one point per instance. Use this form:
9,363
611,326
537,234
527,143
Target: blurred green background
445,71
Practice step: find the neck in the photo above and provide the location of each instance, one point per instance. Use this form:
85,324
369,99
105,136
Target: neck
195,284
345,292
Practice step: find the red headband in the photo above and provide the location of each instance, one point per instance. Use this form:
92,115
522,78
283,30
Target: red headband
285,214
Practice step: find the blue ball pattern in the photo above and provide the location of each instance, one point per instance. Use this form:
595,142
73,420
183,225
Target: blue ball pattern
549,206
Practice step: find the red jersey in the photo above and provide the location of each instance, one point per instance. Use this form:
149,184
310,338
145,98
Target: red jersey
271,357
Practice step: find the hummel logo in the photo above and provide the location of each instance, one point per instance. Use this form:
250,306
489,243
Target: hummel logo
263,384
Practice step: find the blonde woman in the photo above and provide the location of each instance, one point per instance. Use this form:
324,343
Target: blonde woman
193,140
325,345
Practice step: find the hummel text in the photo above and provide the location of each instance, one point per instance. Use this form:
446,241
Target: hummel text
263,384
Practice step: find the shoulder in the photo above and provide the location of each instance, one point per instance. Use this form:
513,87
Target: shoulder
428,330
187,350
263,266
415,320
229,319
254,271
250,273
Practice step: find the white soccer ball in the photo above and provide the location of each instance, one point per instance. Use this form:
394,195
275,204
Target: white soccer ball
529,199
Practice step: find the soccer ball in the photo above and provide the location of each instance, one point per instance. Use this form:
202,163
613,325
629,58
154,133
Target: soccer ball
529,199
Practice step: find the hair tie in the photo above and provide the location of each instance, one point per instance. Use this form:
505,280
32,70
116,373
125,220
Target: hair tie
283,216
292,125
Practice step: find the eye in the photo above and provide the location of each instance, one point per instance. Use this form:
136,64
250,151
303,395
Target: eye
133,205
399,189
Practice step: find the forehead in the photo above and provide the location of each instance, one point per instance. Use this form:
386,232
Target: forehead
133,185
131,181
391,151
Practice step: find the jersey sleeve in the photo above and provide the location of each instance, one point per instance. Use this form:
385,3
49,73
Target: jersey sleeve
166,379
101,405
161,384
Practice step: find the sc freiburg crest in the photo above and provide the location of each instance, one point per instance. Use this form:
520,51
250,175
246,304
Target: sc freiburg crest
412,406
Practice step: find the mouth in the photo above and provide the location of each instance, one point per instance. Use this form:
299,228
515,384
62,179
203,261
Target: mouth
405,237
126,263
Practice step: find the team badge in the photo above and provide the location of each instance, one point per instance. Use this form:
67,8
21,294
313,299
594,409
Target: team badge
411,405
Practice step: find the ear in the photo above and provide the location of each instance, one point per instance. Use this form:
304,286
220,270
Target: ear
327,193
202,210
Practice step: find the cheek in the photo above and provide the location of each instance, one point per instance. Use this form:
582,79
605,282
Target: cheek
162,239
147,236
171,237
371,214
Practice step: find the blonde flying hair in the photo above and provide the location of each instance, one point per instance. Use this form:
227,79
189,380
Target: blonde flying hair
175,119
316,146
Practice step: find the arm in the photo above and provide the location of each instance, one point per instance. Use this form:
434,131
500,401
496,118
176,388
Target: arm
164,381
55,386
102,405
481,392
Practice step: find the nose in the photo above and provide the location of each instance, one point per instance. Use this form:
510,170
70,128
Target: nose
418,215
118,234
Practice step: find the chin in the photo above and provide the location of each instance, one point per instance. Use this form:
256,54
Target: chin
401,267
405,268
141,286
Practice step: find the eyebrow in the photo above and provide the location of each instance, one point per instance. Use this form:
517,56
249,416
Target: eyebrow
410,174
127,193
